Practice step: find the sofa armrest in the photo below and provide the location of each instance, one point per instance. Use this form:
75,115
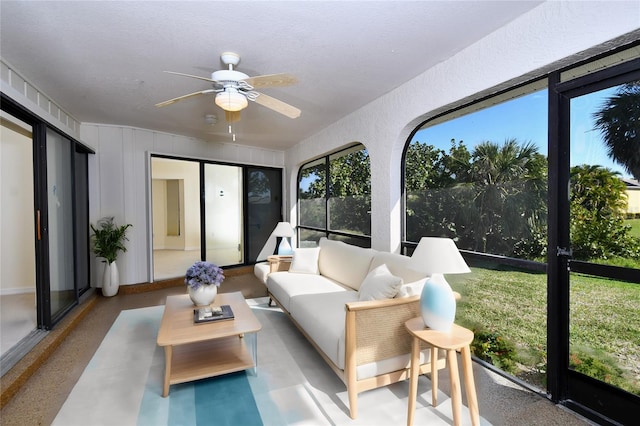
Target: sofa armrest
374,330
278,263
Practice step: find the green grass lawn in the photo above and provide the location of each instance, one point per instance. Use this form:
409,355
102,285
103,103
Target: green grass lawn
604,320
635,226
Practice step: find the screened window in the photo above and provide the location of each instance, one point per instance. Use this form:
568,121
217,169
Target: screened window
479,176
334,198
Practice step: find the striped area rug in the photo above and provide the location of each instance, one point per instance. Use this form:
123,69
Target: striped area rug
122,385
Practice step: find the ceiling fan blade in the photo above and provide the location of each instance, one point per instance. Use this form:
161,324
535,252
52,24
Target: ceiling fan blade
232,116
192,76
180,98
271,80
277,105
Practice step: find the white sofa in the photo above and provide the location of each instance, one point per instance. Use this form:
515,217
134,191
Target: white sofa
364,341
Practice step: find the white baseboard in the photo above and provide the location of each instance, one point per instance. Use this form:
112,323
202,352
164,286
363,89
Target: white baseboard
16,290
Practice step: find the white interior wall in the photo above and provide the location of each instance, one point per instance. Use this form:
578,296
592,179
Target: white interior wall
189,173
17,250
159,203
552,34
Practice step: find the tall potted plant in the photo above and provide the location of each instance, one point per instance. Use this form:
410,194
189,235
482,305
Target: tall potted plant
108,240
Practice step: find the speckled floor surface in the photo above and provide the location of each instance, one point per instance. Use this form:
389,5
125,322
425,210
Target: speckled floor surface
39,400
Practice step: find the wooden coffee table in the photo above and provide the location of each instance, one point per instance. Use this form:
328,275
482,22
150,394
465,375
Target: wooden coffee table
197,351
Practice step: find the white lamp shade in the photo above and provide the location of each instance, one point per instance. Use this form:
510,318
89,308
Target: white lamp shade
438,256
231,100
283,229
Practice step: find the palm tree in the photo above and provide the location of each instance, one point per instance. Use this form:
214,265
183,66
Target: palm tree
509,184
619,122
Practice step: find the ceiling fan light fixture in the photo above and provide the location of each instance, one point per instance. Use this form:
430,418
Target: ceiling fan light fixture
231,100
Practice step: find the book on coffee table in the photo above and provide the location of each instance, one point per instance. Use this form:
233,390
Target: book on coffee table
212,313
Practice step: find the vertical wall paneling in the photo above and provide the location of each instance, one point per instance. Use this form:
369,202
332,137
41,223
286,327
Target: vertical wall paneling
110,172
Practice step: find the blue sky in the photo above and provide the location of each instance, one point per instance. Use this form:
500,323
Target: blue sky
525,119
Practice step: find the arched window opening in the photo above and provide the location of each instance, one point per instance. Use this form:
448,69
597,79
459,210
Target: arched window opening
334,198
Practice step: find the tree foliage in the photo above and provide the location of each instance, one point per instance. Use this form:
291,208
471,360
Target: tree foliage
349,196
619,122
509,188
491,200
598,205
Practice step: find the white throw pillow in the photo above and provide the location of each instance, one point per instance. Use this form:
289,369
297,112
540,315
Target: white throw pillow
411,289
305,260
379,284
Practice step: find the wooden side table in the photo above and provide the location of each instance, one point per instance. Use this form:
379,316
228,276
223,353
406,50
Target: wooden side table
279,262
458,339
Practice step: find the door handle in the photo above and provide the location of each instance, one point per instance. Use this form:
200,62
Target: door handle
38,232
564,252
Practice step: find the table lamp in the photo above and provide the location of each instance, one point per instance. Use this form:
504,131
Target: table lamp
285,231
435,257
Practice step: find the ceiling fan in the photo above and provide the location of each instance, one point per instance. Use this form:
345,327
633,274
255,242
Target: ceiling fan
233,89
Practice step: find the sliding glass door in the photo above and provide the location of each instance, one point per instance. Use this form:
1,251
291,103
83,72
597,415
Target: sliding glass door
61,293
45,215
222,213
264,209
594,325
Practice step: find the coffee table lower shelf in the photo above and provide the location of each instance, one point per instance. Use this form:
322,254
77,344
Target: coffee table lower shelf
209,358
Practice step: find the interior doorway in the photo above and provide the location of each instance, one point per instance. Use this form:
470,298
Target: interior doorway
18,303
176,216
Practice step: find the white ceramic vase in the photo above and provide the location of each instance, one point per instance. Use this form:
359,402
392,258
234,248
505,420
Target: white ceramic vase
203,295
110,279
438,304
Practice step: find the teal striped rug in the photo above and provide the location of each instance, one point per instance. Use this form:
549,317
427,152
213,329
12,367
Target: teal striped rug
224,400
128,350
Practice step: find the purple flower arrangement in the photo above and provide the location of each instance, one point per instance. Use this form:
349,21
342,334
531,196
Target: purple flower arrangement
203,273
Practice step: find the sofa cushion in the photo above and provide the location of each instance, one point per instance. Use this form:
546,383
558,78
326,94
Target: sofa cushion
305,261
379,284
412,280
322,316
284,285
344,263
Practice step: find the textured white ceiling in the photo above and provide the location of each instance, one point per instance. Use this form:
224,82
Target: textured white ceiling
102,61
